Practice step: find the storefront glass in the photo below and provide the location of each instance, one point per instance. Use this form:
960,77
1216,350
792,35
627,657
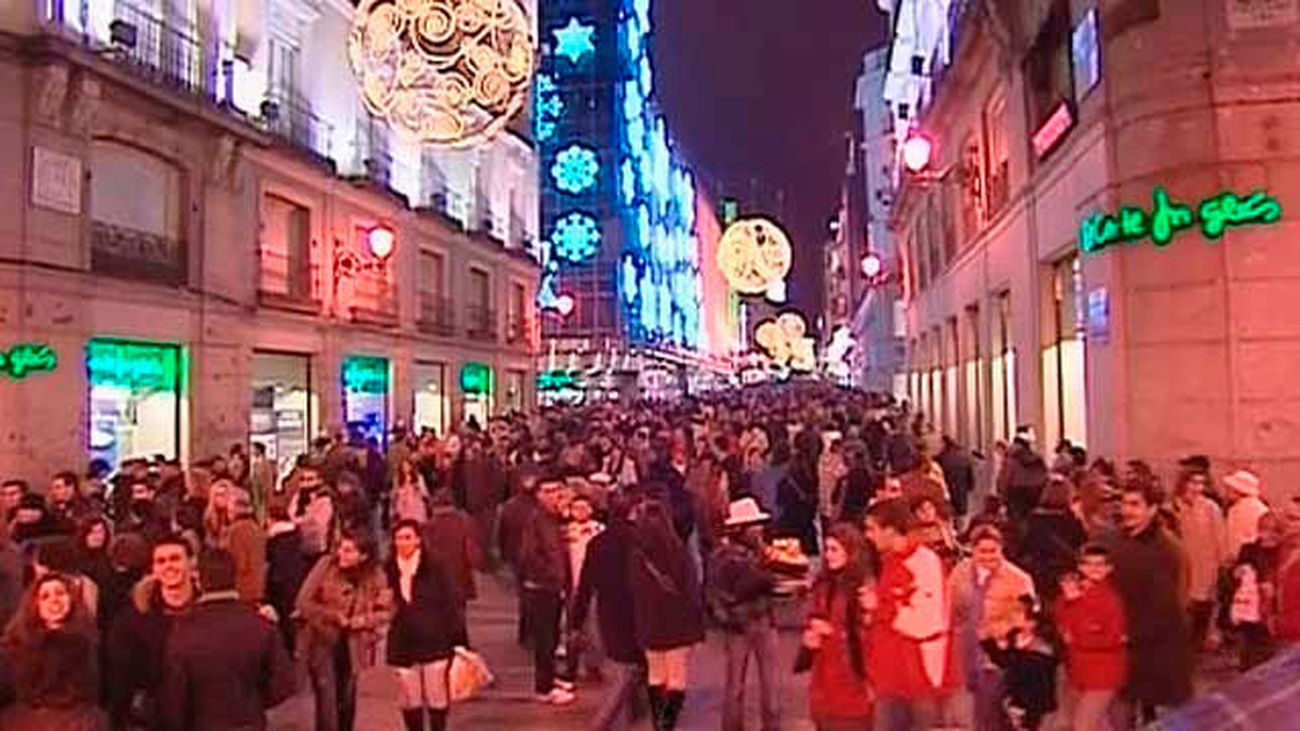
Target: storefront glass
476,382
516,382
1065,399
283,406
135,399
432,399
365,397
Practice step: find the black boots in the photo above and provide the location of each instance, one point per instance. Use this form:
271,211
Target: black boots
657,703
673,702
413,718
437,719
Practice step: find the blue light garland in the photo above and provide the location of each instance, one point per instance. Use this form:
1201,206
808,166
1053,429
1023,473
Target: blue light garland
575,169
576,238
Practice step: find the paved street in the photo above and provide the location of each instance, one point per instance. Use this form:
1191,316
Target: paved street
509,704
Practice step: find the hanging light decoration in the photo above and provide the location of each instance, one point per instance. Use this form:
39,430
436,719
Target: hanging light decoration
785,340
754,255
449,73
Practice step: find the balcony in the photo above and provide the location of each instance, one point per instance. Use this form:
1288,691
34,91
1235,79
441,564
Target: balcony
373,301
437,315
481,323
288,282
123,252
289,117
372,159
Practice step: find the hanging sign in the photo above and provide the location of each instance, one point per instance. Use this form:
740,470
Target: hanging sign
559,380
25,358
362,374
132,365
1054,130
1167,218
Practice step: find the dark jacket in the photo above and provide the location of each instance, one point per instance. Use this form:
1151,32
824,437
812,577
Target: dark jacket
286,568
56,679
449,538
427,627
1049,547
1029,676
739,587
959,472
605,574
666,600
543,560
515,515
136,651
1151,574
225,666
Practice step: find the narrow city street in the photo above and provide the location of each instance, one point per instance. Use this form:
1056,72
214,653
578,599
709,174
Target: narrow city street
510,704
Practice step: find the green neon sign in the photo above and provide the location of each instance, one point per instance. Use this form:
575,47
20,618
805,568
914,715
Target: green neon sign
362,374
1168,218
25,358
476,378
559,380
132,365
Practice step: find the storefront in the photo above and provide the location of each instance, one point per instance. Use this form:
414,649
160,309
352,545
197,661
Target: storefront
432,399
136,399
284,408
476,383
516,385
366,382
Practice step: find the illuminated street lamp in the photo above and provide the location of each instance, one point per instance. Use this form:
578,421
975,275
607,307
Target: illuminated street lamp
564,305
380,240
917,149
872,266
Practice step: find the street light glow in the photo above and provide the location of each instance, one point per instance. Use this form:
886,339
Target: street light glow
380,239
871,266
564,305
916,152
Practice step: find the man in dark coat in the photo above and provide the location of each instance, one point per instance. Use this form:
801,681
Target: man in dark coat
225,663
1151,574
605,575
959,473
544,571
515,516
1024,475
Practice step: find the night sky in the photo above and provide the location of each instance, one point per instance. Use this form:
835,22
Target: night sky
758,95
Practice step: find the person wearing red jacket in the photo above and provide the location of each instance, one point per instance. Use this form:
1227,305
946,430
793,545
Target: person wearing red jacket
910,655
1090,617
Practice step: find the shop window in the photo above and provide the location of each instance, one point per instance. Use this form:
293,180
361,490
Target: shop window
286,252
974,375
952,422
1047,67
478,386
136,212
365,398
135,399
283,407
516,385
432,398
1065,397
1004,372
997,180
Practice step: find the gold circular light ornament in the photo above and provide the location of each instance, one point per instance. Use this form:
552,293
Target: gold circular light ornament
449,73
754,254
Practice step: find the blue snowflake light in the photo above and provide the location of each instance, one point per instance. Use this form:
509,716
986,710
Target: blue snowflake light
574,40
576,238
575,169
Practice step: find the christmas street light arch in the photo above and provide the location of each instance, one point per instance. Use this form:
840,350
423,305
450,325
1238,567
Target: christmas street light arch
449,73
754,254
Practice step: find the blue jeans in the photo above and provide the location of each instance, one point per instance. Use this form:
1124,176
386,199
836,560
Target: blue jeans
760,640
905,714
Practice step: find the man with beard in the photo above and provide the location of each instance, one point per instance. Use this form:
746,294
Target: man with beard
142,515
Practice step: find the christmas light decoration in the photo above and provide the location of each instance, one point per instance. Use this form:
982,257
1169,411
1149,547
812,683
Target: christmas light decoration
574,40
754,254
549,107
785,341
575,169
448,73
576,238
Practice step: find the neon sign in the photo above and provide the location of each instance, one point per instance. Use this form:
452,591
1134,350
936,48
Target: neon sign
131,365
363,374
25,358
559,380
476,378
1168,218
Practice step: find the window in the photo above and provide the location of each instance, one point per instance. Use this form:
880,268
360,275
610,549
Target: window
997,185
1065,398
436,314
974,374
952,423
972,198
1047,67
933,237
516,314
1004,372
136,211
286,252
920,241
481,315
282,70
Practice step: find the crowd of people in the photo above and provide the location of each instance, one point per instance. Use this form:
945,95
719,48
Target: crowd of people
157,595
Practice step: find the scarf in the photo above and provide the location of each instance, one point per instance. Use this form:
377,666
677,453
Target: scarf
406,568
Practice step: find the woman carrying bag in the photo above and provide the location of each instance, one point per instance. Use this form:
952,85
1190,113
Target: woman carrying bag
840,695
426,623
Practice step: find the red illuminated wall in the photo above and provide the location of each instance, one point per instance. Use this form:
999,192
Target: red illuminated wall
717,321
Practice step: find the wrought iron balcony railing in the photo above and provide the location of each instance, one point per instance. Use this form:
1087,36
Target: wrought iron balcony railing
437,315
124,252
481,323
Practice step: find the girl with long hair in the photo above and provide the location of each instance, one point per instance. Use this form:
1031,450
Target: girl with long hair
840,696
50,647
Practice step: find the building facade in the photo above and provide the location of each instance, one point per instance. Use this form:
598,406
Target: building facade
208,241
1100,247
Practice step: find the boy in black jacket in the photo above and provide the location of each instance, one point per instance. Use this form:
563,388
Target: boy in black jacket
1028,660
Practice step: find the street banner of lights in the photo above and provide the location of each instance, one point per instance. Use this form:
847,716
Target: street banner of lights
754,255
786,342
449,73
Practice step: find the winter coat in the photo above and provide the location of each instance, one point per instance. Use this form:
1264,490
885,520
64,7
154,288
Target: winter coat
11,581
959,472
1204,537
660,582
246,542
316,518
286,567
56,677
1093,628
328,600
1151,577
543,560
427,627
449,539
514,518
225,666
137,648
605,574
911,648
1029,676
985,611
739,587
837,689
1049,547
1286,625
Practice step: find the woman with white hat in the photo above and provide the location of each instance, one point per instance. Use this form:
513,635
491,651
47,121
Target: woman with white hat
1247,506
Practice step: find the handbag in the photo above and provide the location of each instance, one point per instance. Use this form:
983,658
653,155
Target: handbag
468,675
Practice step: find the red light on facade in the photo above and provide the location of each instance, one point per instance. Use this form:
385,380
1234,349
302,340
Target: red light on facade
1053,130
917,149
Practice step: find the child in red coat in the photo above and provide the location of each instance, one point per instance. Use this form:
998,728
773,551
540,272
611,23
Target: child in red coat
1090,618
